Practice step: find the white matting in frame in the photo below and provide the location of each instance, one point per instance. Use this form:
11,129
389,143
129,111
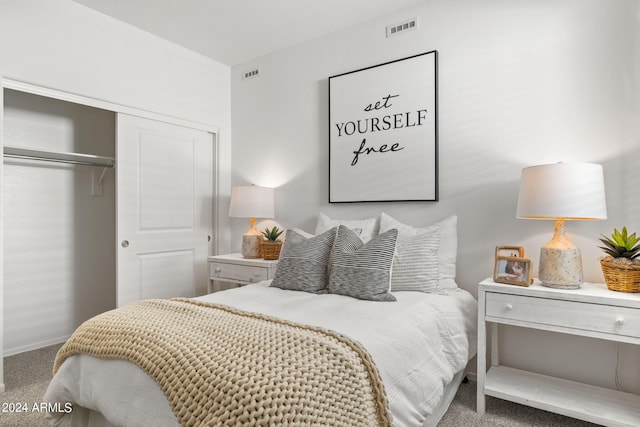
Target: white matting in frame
383,136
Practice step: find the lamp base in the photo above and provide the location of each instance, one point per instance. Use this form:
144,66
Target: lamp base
250,246
560,268
560,261
251,241
554,286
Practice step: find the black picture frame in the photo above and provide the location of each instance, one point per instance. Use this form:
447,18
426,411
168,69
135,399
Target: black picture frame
383,132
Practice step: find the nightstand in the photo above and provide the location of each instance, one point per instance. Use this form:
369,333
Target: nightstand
234,268
591,311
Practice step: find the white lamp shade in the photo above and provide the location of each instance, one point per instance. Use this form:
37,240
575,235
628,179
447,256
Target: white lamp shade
572,191
252,201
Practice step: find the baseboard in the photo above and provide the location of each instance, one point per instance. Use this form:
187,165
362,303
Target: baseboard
35,346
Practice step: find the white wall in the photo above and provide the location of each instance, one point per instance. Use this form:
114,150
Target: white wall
62,45
520,83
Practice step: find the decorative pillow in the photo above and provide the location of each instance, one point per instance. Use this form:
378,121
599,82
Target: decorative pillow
362,270
415,264
366,229
448,244
303,264
303,233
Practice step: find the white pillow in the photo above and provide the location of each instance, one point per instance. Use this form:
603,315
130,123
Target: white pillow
366,228
447,250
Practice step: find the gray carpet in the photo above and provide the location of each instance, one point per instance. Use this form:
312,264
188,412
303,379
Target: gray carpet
27,376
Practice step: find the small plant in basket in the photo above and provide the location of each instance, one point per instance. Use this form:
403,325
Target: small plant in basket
621,266
623,247
273,234
270,246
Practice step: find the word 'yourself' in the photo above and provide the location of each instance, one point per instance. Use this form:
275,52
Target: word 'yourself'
378,124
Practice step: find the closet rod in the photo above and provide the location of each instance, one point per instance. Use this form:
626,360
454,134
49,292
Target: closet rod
50,156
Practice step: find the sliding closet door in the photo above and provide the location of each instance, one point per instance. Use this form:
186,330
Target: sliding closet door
164,209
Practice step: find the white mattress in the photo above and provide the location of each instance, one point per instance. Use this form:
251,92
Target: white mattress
418,344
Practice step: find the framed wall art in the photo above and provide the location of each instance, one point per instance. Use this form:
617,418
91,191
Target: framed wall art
383,132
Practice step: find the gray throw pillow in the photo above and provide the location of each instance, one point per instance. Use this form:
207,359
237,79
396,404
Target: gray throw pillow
303,263
415,264
362,270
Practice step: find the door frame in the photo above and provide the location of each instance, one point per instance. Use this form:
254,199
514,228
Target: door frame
109,106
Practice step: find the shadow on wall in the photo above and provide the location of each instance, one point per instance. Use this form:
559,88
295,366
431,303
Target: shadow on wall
484,222
630,189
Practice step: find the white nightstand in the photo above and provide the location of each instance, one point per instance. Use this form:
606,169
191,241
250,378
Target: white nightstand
592,311
234,268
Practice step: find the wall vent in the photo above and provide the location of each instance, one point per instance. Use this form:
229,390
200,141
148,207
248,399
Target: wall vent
402,27
251,74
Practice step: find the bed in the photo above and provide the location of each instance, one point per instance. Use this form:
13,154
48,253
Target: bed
419,344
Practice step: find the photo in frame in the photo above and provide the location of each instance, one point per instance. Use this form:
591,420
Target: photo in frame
512,270
383,132
517,251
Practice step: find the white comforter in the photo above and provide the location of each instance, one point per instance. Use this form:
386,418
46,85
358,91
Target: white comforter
418,343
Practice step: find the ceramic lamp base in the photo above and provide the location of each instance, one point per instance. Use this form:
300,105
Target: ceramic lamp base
251,246
560,261
560,268
251,241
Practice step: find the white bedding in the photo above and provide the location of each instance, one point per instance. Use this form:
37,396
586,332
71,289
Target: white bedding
418,344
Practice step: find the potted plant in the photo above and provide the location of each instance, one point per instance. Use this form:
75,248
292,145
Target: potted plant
270,246
621,266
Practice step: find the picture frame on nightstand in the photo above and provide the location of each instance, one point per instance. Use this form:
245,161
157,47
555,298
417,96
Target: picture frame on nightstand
517,251
512,270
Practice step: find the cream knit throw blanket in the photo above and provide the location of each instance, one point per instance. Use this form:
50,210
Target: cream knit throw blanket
222,366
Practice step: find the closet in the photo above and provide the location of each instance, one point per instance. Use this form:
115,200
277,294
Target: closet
59,232
128,218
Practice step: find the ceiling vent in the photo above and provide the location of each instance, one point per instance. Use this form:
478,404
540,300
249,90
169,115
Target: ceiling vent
251,74
401,28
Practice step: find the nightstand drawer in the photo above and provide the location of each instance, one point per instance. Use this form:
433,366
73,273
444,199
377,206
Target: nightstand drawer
565,314
235,272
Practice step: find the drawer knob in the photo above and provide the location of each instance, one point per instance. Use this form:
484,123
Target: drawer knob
620,321
217,270
508,307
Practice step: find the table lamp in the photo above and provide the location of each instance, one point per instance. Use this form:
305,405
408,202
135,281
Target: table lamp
251,202
561,192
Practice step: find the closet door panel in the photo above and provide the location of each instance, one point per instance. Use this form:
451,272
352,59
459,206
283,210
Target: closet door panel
164,209
170,273
166,185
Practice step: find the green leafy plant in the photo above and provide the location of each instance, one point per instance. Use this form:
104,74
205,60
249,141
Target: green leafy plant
621,244
273,234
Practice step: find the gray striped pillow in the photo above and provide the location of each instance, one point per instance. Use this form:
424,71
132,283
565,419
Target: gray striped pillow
415,265
303,263
362,270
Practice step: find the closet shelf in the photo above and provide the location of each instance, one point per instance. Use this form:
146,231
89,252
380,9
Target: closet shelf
50,156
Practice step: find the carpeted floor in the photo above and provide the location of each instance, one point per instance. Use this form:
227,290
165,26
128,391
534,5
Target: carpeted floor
26,377
500,413
28,374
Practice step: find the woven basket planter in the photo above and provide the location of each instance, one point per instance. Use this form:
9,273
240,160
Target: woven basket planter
621,277
270,250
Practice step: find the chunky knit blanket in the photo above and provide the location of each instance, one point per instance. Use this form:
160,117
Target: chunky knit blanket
222,366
